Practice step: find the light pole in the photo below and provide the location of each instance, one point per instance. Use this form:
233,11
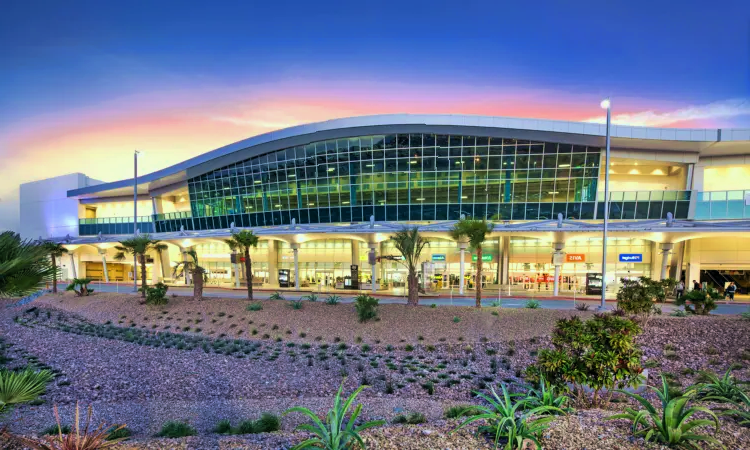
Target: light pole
135,217
606,105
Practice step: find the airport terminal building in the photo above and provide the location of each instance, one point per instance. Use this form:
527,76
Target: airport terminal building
322,196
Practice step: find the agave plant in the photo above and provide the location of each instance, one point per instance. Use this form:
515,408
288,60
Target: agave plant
80,438
547,395
21,387
719,389
510,419
742,410
335,433
671,426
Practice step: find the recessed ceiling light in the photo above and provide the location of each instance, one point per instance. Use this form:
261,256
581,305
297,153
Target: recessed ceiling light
553,192
464,196
344,203
564,165
420,199
311,204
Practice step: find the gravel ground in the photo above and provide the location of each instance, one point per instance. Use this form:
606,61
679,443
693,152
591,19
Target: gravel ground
146,385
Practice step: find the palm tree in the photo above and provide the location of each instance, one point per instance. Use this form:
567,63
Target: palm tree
24,265
476,232
55,251
410,244
196,272
242,242
139,246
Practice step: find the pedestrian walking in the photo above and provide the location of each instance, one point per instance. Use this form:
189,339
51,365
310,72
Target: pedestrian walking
696,286
730,290
679,289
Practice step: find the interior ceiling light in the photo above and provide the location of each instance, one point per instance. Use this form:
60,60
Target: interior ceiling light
553,192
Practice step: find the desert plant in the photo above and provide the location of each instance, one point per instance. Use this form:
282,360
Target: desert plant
335,432
243,241
276,296
507,419
257,306
139,246
333,299
197,272
718,389
55,251
410,244
77,437
21,387
546,395
600,353
223,427
670,426
118,433
296,304
582,306
157,294
533,304
413,418
82,285
679,313
699,302
741,411
173,429
475,231
310,297
637,296
457,411
366,306
24,265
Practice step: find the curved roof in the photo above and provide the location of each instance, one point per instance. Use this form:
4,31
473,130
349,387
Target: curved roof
699,142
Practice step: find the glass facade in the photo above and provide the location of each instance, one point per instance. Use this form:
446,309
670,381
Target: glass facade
399,177
723,205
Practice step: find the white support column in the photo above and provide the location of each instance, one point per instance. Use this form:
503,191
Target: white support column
461,267
557,261
295,251
665,249
236,269
506,260
693,272
103,253
273,263
373,283
73,264
184,259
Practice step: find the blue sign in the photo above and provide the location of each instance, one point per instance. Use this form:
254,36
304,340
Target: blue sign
438,257
631,257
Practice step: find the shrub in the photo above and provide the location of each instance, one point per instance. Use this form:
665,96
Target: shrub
173,429
599,353
296,304
505,419
414,418
455,412
276,296
637,296
533,304
53,430
679,313
334,432
433,306
720,389
223,427
83,286
456,319
157,294
367,307
118,433
582,306
699,302
429,387
311,297
669,426
267,423
333,299
257,306
546,396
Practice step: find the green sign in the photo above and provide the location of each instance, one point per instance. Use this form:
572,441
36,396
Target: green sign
485,257
438,257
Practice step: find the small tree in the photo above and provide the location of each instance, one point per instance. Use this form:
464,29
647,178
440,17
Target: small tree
55,251
139,246
637,296
699,302
243,242
82,285
410,244
197,273
597,354
366,306
476,232
157,294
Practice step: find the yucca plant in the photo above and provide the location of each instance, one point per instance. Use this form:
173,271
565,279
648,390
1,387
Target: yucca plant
80,438
548,395
742,410
719,389
21,387
310,298
671,426
276,296
333,299
510,419
335,433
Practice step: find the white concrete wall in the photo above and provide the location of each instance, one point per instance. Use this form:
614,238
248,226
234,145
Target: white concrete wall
122,209
726,178
46,210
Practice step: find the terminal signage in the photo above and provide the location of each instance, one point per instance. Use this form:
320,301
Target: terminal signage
575,257
486,257
631,257
438,257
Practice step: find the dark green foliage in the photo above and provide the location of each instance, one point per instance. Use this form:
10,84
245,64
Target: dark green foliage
174,429
599,353
699,302
414,418
333,299
310,298
533,304
223,427
157,294
715,388
296,304
121,432
254,306
637,296
80,286
24,265
54,429
276,296
455,412
548,395
367,307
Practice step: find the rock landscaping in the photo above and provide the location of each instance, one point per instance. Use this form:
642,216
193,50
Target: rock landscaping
216,364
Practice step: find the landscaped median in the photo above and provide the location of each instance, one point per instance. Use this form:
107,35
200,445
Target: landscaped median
218,365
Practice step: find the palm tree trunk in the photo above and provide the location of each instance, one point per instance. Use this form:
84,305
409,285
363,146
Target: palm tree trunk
249,274
142,261
413,288
54,274
198,284
478,280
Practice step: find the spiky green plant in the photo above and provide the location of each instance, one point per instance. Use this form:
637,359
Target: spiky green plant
510,419
276,296
741,411
21,387
475,231
24,265
547,395
82,285
670,426
715,388
335,433
333,299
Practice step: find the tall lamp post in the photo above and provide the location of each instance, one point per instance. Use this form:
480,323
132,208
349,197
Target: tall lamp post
606,105
135,217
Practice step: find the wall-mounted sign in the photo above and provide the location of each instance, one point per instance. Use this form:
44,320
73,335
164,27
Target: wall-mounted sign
631,257
486,257
575,257
438,257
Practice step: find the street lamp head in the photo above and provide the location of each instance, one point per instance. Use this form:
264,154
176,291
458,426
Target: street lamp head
605,103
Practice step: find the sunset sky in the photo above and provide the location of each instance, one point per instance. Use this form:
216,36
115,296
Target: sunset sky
83,84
